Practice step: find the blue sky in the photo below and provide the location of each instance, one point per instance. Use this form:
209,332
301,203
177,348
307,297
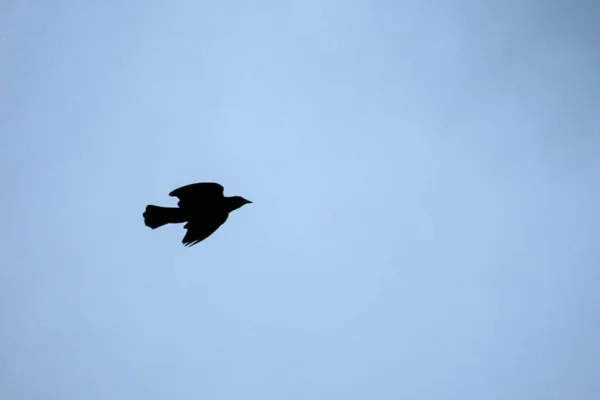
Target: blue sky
425,184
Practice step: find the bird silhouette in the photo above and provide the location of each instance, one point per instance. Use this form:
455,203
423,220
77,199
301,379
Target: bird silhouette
202,205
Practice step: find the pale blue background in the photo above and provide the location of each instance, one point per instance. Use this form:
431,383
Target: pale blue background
426,187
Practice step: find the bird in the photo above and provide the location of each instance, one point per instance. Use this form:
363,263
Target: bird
201,205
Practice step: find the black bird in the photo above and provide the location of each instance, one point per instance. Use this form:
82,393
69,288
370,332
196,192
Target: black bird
201,205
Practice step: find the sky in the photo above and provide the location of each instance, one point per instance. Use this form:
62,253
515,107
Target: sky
424,178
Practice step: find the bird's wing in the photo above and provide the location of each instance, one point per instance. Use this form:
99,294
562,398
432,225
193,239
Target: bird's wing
198,193
198,230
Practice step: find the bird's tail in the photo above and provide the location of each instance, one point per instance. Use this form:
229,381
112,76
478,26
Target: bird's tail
155,216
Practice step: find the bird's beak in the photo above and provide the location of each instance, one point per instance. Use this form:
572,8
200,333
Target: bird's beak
248,201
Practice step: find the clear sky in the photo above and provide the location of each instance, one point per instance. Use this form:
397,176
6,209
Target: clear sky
425,178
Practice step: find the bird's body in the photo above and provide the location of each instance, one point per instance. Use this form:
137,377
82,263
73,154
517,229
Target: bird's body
201,205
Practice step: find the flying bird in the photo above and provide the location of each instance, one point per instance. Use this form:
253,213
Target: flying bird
201,205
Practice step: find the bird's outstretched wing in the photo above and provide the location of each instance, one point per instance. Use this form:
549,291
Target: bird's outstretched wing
198,230
198,193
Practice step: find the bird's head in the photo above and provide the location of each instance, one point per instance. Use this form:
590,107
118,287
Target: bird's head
236,202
